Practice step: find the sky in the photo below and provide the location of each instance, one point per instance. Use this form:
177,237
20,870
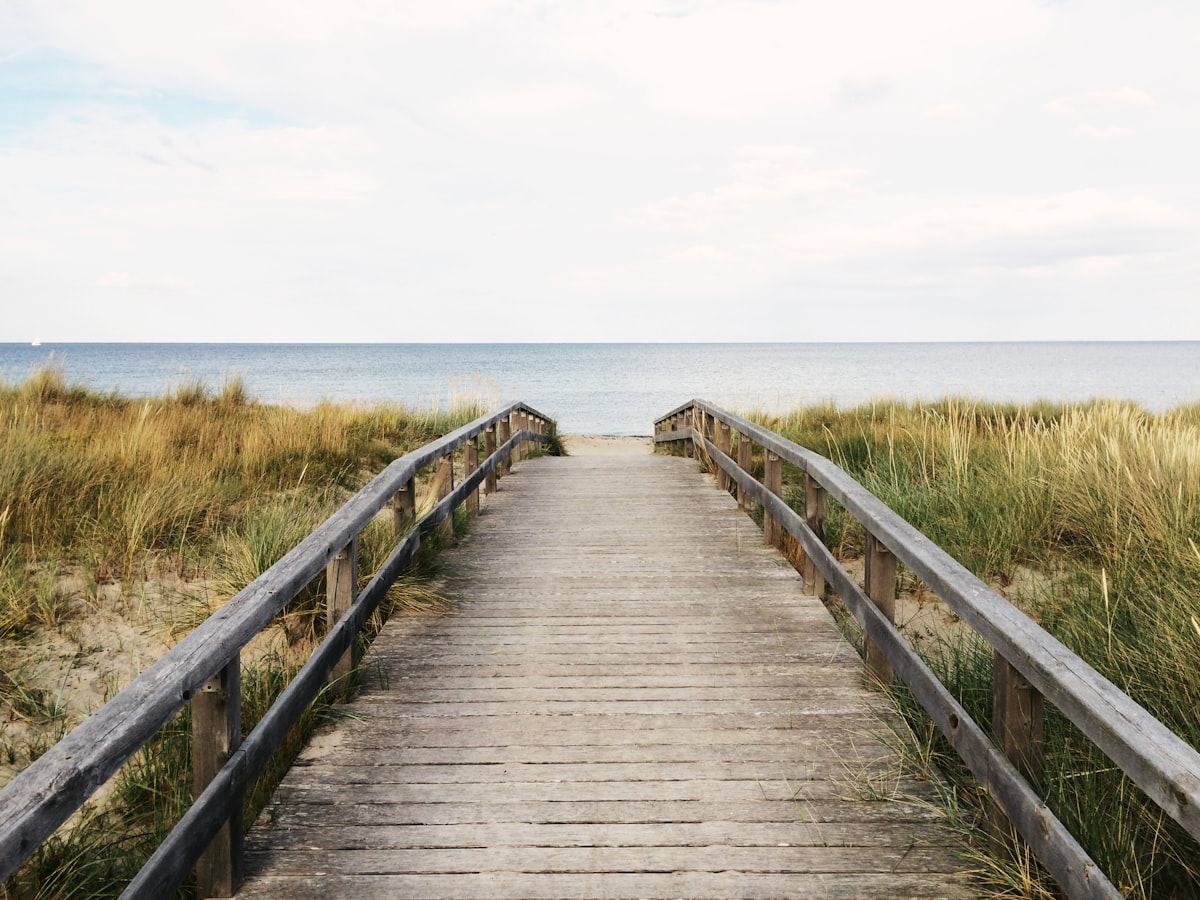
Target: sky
599,170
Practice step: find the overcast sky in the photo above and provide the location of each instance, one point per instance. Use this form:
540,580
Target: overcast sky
386,170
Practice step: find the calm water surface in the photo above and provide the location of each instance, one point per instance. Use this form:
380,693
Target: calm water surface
621,388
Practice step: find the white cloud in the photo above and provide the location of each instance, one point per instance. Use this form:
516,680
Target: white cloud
948,110
1108,133
763,177
537,101
742,59
123,281
397,159
1074,104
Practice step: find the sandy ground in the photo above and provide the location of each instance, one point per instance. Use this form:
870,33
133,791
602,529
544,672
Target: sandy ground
601,445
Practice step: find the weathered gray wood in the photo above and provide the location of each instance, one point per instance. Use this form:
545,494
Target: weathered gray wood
404,507
880,816
773,482
723,441
341,590
505,426
909,857
470,464
816,510
623,655
489,447
716,832
590,886
746,461
216,734
516,424
1018,719
880,584
443,484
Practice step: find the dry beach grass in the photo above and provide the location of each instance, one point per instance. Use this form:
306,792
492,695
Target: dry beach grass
123,524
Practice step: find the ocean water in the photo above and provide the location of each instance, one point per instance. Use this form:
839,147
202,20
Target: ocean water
620,389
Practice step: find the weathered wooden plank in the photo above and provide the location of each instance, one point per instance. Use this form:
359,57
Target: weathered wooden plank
908,857
874,813
752,787
610,731
385,769
837,752
606,834
584,886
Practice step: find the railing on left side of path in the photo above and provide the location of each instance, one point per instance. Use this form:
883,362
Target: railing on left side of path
204,669
1030,664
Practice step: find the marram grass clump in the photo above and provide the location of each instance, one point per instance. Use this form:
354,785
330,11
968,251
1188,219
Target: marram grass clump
1100,502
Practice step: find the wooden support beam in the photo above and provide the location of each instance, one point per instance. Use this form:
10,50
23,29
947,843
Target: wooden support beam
745,460
470,464
880,586
1018,719
216,734
773,482
516,427
689,419
489,447
724,445
404,507
443,484
341,590
815,511
505,434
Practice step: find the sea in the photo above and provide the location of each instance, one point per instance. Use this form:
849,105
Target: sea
619,389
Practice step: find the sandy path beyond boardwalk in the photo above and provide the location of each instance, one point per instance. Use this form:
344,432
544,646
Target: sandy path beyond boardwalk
602,445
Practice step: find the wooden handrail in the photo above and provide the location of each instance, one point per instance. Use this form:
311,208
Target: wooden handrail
43,796
1154,757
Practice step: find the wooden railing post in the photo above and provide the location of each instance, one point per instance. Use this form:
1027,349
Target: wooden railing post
1018,719
746,462
505,434
341,590
216,734
443,485
689,419
815,511
489,447
724,445
404,507
880,584
773,482
517,455
470,464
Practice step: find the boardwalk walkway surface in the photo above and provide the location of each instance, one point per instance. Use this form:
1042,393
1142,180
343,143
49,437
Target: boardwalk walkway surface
631,698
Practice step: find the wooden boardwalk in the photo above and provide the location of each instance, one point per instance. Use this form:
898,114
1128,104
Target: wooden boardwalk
631,698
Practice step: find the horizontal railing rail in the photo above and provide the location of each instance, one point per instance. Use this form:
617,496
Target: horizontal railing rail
203,669
1030,663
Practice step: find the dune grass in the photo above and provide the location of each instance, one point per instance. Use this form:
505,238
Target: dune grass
202,485
1102,500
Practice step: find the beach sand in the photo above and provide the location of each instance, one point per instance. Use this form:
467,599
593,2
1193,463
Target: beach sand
603,445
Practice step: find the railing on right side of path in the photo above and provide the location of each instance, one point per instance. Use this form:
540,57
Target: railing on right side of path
1030,664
